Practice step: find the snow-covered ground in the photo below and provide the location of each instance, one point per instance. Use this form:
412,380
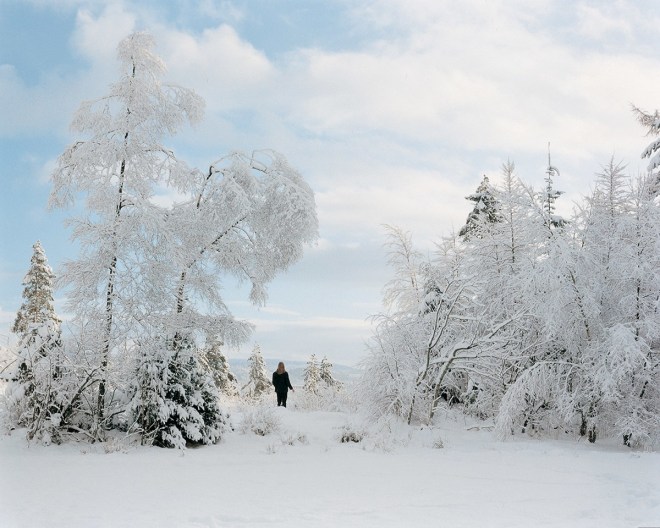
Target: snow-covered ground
303,476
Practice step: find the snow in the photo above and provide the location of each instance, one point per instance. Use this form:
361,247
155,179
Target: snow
301,475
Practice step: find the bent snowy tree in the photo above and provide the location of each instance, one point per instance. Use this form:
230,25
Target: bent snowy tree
145,269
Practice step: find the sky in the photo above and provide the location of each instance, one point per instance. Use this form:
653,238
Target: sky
393,110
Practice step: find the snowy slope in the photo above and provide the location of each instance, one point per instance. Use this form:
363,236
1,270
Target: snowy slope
302,476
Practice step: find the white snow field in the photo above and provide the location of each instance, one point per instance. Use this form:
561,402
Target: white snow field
302,476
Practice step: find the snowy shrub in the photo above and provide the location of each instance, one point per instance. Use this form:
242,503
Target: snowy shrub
294,438
261,420
438,443
116,445
325,398
352,432
386,434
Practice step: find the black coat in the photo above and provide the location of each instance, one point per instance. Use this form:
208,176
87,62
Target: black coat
281,382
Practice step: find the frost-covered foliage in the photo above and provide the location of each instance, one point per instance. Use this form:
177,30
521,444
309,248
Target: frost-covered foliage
404,291
215,363
541,324
38,396
325,374
549,196
259,383
312,376
485,211
175,401
321,391
37,304
261,420
145,289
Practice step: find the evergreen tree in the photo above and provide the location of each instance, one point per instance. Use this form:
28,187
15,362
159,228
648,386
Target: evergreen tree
37,393
485,211
176,402
148,409
652,123
550,195
215,363
325,374
37,304
258,381
312,376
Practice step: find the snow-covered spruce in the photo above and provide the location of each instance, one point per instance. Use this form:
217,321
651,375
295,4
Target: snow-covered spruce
259,382
38,395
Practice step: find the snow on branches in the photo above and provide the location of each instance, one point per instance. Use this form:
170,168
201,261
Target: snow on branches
541,326
145,289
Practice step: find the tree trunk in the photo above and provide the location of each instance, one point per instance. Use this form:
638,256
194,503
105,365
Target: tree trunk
109,299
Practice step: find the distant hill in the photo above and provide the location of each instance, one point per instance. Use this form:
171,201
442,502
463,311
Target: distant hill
295,369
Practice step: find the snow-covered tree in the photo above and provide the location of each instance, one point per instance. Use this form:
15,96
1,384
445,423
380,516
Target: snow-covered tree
312,376
37,393
325,374
145,289
550,195
484,213
594,282
404,291
259,383
419,357
191,402
652,124
176,402
118,168
37,304
541,323
215,363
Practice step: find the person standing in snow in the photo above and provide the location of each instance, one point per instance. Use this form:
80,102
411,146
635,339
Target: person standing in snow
282,384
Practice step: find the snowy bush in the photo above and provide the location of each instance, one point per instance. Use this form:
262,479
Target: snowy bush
438,443
387,434
352,432
294,438
325,398
261,420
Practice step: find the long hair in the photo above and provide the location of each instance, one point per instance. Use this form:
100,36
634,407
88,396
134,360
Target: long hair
280,368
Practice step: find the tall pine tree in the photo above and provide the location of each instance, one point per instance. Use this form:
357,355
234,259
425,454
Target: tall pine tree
37,304
36,394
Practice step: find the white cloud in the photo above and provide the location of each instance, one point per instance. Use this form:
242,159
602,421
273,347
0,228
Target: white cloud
228,71
96,37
